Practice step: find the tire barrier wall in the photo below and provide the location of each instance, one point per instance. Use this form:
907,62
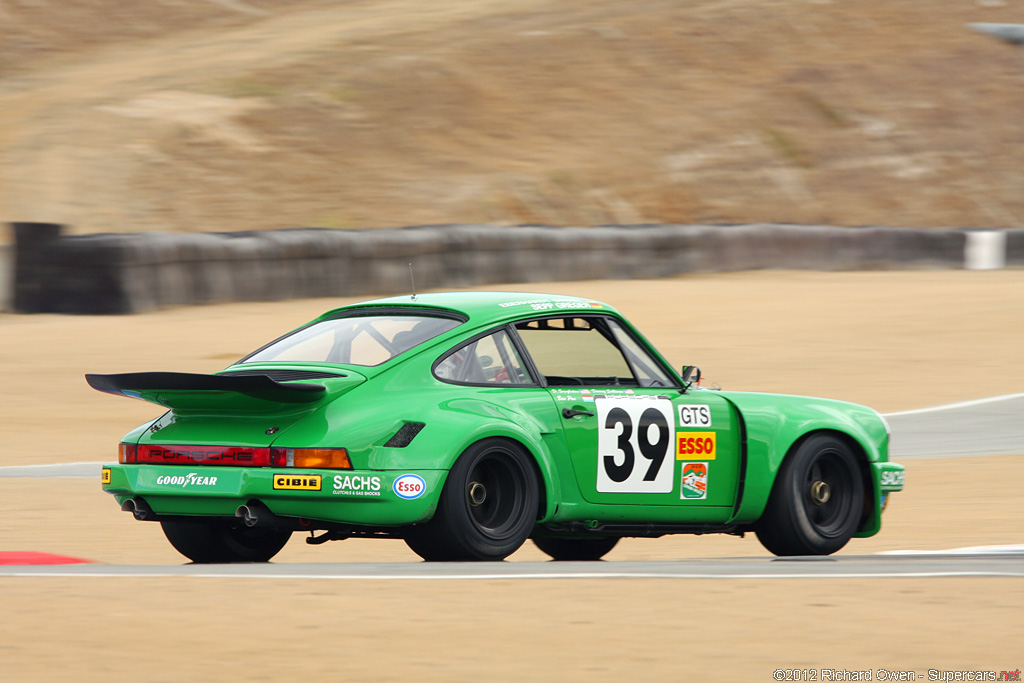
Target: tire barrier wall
131,273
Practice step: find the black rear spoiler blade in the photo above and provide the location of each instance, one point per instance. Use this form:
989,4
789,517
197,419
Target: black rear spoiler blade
154,386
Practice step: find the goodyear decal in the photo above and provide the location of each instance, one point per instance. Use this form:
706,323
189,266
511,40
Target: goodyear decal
701,445
105,475
297,482
186,480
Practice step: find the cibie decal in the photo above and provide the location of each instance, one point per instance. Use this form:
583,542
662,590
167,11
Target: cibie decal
356,485
634,441
694,482
294,482
695,416
409,486
699,444
105,476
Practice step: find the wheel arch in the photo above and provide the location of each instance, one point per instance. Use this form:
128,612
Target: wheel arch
777,425
543,478
533,444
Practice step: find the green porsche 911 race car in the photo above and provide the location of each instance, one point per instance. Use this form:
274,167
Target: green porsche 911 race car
466,423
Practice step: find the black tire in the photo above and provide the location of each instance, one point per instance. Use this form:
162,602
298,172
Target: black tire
816,502
576,549
207,541
487,508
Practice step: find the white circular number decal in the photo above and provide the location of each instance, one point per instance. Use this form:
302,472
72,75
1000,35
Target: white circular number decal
634,445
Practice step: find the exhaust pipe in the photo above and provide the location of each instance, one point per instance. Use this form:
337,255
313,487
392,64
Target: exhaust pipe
255,513
139,508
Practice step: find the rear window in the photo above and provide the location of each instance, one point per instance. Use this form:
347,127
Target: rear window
364,340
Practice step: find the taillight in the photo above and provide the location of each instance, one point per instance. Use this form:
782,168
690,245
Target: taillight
238,456
126,452
311,458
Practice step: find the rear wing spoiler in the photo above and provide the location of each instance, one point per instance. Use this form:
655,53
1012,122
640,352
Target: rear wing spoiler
180,390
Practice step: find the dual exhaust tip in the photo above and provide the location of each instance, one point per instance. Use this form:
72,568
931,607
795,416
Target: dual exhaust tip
139,508
252,514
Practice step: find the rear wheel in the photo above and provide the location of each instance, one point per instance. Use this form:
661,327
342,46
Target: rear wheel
487,508
207,541
817,501
583,549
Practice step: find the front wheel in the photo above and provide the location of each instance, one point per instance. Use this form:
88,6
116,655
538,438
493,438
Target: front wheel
816,502
209,541
487,508
579,549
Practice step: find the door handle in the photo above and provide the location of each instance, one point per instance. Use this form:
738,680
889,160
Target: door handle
570,412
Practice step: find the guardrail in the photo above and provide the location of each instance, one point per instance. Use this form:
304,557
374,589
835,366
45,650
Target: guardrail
130,273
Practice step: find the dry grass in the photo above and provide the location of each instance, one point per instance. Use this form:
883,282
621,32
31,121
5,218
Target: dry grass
396,112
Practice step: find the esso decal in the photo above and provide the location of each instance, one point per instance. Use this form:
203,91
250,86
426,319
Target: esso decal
634,445
890,478
696,444
695,416
409,486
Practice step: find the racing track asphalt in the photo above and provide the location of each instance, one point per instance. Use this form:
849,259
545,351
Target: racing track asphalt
988,426
995,561
984,427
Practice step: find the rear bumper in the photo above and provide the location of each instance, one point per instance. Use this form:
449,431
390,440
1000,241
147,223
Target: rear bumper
363,497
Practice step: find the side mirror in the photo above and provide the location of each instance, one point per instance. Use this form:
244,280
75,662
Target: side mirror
691,375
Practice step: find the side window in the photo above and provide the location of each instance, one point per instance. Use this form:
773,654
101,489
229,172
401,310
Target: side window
488,360
574,351
589,351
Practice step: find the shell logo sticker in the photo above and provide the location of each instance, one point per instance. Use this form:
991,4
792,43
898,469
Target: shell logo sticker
701,445
105,476
409,486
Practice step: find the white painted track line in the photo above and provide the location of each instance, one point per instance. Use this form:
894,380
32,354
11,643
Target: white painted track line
955,406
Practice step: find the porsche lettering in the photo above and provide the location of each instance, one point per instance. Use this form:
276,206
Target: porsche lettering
158,453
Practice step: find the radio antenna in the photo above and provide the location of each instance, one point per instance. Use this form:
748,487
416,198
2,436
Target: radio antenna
413,281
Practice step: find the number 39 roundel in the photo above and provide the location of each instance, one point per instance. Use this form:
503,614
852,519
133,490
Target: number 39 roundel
634,445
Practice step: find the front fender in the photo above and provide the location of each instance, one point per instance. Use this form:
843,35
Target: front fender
774,423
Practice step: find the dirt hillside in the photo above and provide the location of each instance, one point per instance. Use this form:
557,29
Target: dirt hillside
235,114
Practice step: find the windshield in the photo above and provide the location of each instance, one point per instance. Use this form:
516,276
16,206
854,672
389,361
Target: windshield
363,340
